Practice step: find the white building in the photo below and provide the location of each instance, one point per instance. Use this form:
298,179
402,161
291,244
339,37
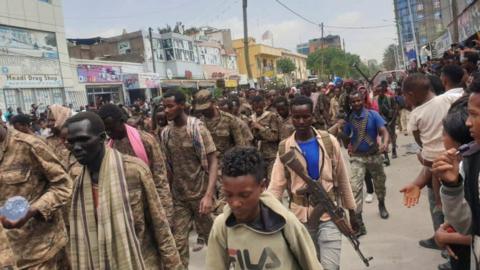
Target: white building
34,61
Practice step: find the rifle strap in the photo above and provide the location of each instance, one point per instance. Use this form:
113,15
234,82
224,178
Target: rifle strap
329,148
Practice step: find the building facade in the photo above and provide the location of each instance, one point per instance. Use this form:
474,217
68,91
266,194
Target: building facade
300,73
429,22
262,58
330,41
34,61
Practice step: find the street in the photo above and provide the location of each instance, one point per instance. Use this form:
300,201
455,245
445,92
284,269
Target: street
393,242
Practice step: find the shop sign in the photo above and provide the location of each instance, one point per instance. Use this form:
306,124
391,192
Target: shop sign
141,81
468,22
99,74
30,81
231,83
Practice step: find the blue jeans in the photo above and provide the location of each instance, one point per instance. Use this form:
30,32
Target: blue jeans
328,243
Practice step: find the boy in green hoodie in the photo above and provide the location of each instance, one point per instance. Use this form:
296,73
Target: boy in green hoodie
255,230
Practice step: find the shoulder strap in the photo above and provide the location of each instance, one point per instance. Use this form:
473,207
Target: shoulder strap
327,141
282,149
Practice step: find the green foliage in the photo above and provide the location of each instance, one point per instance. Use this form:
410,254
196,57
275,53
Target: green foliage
389,57
286,66
335,62
275,84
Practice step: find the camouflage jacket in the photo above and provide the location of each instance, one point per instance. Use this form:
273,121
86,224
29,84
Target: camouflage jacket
58,146
157,166
286,128
320,111
7,258
29,168
243,121
268,137
189,180
226,132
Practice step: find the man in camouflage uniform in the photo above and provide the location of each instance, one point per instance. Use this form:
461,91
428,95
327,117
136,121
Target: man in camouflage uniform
270,98
265,127
193,164
226,132
116,127
362,128
29,168
232,106
283,110
86,135
7,258
388,109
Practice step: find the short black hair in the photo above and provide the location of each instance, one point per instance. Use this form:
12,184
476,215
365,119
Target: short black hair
454,123
179,97
475,86
22,119
302,100
241,161
280,100
437,85
96,123
416,82
113,111
257,99
454,73
233,101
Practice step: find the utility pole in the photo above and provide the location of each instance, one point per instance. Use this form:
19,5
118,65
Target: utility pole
321,47
245,43
455,37
153,50
417,52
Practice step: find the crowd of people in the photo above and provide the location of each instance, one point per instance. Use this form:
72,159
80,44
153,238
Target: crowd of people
122,187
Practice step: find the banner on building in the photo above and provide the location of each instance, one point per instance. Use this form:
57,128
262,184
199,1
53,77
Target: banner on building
442,44
99,74
24,42
141,80
468,22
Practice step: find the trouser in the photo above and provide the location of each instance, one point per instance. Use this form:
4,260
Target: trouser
404,115
368,182
185,213
359,165
393,136
269,163
437,214
328,244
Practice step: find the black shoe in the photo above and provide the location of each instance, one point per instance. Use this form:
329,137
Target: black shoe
394,155
429,243
445,266
383,210
386,160
444,254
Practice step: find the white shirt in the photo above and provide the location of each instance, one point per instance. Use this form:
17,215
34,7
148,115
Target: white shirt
427,119
452,95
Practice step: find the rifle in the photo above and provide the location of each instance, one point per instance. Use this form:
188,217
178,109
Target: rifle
320,200
370,81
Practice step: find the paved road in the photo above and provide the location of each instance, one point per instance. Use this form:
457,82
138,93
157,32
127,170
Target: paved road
394,242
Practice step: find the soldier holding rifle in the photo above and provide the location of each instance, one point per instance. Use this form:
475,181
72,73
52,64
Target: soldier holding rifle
320,157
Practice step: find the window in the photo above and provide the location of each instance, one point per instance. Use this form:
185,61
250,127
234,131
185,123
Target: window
419,7
436,4
437,15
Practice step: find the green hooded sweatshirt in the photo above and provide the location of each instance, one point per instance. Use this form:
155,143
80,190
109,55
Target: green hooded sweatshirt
280,243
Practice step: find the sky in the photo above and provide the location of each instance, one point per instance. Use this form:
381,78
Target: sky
92,18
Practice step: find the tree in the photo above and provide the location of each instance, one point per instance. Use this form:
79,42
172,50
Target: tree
330,62
389,58
286,66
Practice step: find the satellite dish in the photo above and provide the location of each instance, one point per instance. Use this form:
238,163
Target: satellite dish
169,74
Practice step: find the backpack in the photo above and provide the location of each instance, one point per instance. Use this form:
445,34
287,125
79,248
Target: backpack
328,144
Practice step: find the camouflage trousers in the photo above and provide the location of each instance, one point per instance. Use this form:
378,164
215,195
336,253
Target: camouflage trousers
374,164
185,214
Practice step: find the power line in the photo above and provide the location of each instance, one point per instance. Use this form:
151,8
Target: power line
332,26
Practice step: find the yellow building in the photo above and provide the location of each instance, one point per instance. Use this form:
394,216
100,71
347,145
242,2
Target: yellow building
263,58
300,61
